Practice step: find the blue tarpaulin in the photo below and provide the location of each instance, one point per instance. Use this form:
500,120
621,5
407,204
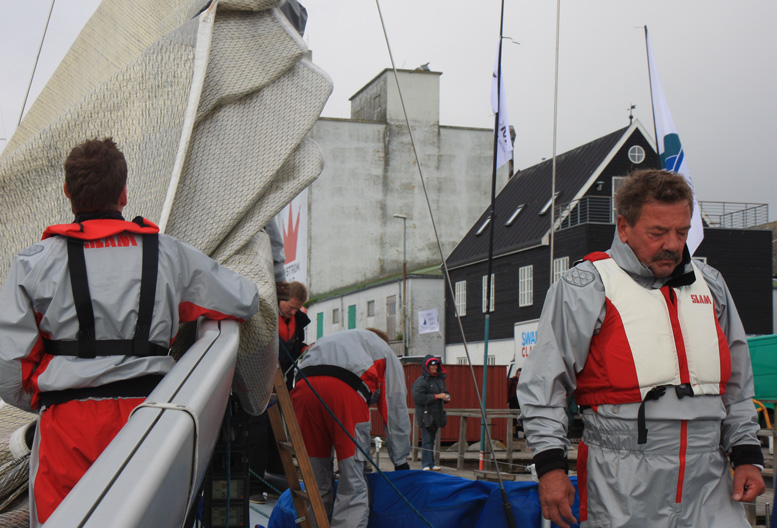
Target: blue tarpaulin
446,501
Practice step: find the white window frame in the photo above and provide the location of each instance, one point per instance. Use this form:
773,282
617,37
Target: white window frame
371,308
483,226
461,298
636,154
525,286
546,207
335,316
560,266
514,215
615,183
485,292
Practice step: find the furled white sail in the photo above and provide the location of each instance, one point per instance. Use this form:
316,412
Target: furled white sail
210,103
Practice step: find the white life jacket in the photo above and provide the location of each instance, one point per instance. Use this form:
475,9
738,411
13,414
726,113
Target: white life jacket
652,338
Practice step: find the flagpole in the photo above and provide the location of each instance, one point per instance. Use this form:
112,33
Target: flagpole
553,163
491,216
652,105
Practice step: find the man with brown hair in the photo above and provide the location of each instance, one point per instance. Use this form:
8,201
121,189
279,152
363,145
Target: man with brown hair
264,455
87,316
650,343
291,329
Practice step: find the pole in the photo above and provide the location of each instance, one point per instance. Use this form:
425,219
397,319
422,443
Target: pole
555,128
492,216
652,106
404,283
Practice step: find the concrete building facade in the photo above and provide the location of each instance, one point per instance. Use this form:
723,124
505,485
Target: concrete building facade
371,175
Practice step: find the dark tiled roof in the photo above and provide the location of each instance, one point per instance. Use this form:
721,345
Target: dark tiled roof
532,188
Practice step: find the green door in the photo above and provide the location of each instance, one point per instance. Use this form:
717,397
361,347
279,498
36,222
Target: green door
319,325
351,316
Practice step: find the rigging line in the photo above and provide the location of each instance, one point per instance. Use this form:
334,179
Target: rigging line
365,453
35,66
437,237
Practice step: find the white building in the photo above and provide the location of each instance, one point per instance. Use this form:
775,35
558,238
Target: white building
353,237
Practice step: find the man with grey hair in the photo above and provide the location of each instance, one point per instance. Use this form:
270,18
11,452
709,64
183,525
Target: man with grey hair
652,347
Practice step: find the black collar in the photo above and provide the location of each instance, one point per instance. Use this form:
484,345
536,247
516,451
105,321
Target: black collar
98,215
679,276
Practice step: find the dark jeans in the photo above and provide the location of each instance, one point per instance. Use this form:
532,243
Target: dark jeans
428,435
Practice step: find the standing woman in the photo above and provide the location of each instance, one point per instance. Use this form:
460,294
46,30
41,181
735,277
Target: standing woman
430,396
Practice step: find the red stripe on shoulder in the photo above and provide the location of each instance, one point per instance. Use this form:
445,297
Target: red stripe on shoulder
188,311
596,255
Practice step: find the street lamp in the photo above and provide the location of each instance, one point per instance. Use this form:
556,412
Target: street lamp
404,278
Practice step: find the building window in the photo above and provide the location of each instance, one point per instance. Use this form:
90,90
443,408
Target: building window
560,265
461,360
370,308
616,183
490,307
514,215
526,286
336,316
491,360
391,316
461,298
483,226
546,207
636,154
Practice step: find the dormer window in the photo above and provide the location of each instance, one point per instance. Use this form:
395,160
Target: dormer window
546,207
483,227
514,215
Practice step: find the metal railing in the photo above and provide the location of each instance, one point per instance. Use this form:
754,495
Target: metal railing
600,210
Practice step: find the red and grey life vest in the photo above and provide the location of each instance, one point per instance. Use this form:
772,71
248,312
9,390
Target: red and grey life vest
108,231
651,339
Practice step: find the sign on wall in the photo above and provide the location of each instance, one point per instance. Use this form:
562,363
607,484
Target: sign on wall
525,339
293,221
428,321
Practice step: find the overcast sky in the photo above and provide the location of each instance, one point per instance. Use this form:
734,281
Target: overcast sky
717,60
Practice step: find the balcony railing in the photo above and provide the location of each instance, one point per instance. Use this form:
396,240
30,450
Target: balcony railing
600,210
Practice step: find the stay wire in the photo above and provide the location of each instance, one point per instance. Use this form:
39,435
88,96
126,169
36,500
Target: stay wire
359,447
439,247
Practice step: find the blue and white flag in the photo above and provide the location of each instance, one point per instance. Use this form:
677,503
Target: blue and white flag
504,151
670,150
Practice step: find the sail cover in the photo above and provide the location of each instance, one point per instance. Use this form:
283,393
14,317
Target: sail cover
210,103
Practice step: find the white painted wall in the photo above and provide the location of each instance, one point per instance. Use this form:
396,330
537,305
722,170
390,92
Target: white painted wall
503,351
370,174
424,293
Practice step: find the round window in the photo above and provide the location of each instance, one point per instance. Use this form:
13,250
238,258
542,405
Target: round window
636,154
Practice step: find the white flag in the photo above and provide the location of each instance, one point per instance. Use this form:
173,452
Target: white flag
504,151
670,150
428,321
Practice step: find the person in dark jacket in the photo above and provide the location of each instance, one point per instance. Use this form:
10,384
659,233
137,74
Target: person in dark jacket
430,396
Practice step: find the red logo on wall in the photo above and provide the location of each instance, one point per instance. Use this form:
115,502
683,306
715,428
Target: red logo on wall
290,237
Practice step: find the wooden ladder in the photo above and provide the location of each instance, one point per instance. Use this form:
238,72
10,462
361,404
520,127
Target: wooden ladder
290,444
